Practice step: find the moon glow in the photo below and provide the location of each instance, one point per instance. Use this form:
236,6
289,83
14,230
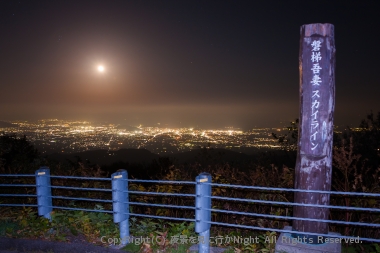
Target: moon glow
100,68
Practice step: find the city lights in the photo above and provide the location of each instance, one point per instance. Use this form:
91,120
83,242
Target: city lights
76,136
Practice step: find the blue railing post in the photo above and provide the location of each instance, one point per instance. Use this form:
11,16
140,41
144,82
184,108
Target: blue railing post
202,215
43,186
120,207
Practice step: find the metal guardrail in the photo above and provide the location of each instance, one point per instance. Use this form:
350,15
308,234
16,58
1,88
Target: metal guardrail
203,208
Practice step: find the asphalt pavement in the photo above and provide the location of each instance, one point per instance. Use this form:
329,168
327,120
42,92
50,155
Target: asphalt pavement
12,245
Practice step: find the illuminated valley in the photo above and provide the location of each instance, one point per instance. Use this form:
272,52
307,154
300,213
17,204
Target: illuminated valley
61,136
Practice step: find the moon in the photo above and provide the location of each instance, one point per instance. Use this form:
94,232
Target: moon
100,68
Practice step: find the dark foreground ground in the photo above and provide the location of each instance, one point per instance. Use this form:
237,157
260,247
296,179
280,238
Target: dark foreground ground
11,245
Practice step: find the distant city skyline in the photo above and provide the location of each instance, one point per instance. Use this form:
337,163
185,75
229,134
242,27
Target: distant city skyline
124,123
53,135
183,63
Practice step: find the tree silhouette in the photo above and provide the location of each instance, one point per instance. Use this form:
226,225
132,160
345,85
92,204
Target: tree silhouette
366,139
291,137
17,155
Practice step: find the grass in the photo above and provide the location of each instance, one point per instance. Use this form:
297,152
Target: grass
170,237
66,225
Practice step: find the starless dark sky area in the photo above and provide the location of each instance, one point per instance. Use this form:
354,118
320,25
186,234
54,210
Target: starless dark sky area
182,63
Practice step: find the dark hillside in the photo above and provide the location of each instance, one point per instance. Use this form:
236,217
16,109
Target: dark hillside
212,155
105,157
143,160
4,124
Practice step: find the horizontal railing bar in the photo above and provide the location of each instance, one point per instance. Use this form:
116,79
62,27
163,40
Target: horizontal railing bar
17,175
160,217
32,205
296,204
80,188
82,209
132,214
160,181
293,218
85,199
188,207
208,182
18,195
162,193
366,194
82,178
213,184
18,185
159,205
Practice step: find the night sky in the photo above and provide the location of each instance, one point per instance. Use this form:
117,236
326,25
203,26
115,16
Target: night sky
182,63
